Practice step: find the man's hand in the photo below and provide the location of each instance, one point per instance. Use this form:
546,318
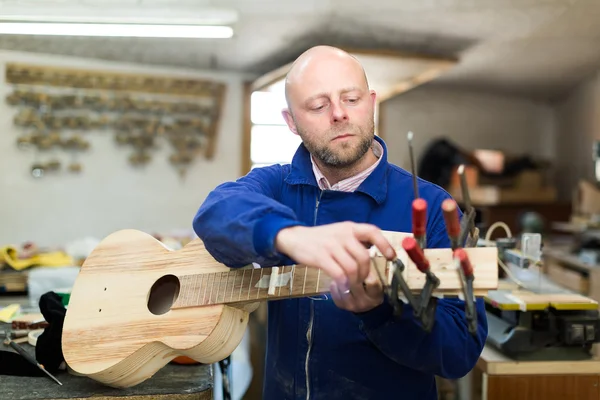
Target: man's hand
361,298
339,250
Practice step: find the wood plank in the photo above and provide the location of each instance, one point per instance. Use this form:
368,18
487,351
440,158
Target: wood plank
105,79
493,362
188,396
580,387
568,260
434,67
246,147
573,280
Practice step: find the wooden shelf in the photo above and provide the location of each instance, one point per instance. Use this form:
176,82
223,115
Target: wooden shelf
492,362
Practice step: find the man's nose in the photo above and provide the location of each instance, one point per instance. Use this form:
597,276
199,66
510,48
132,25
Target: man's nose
338,112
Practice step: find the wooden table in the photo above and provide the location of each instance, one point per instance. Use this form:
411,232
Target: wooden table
501,378
172,382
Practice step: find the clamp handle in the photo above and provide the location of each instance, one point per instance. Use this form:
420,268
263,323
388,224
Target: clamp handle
416,254
465,272
450,212
426,311
398,282
419,220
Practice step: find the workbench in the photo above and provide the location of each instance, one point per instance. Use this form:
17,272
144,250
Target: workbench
562,266
172,382
497,377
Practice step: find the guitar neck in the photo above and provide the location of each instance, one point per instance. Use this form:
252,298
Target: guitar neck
250,285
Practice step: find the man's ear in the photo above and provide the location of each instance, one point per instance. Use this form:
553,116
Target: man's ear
287,116
373,97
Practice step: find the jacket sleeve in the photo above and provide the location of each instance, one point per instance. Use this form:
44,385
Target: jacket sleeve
449,350
238,221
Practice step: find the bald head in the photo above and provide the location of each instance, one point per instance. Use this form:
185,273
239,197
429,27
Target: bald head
316,63
330,106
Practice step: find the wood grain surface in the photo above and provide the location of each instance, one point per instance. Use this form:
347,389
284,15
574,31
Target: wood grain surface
136,304
551,387
493,362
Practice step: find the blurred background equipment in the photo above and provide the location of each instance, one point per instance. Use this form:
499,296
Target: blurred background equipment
597,160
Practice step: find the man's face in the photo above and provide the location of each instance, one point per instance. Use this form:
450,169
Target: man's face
332,110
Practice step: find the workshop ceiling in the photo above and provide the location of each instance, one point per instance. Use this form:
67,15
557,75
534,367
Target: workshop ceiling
535,48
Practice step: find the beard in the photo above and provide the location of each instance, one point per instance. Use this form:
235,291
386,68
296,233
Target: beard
349,153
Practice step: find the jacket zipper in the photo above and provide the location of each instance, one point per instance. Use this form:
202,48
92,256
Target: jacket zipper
312,315
309,339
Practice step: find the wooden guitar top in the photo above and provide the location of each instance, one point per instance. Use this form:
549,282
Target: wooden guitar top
136,304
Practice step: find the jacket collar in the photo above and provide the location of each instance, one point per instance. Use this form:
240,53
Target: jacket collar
375,185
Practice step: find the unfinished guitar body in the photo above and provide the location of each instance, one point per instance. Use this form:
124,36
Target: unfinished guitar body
136,304
119,328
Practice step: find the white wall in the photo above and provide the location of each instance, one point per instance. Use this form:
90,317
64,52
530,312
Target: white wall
109,194
578,125
470,119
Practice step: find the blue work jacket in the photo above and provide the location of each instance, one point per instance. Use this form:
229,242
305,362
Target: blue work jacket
314,349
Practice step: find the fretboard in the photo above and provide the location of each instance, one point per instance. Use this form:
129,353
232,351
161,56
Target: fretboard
250,284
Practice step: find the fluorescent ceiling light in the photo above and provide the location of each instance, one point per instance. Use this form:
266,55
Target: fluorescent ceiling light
117,30
120,15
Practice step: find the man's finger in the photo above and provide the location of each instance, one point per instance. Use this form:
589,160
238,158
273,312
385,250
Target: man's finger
363,260
349,265
373,286
372,234
341,299
361,300
335,272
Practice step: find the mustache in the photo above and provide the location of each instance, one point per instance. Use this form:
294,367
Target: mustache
347,129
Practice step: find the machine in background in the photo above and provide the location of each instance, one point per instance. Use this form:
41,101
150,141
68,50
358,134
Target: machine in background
529,316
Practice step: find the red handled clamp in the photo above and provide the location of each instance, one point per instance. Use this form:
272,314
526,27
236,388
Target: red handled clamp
419,221
465,272
450,211
398,282
427,303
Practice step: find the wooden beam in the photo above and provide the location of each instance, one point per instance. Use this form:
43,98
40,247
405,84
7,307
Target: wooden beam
246,163
265,81
440,65
116,81
398,54
417,80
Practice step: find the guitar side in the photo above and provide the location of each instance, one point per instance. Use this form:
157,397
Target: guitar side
119,328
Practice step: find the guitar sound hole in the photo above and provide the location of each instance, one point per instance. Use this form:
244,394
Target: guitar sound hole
163,294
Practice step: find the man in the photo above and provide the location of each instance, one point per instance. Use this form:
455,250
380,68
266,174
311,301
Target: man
336,195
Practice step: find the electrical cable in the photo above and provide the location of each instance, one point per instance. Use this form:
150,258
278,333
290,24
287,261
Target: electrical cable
510,274
488,235
498,224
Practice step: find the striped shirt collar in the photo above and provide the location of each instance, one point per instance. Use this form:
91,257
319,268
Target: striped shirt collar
352,183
